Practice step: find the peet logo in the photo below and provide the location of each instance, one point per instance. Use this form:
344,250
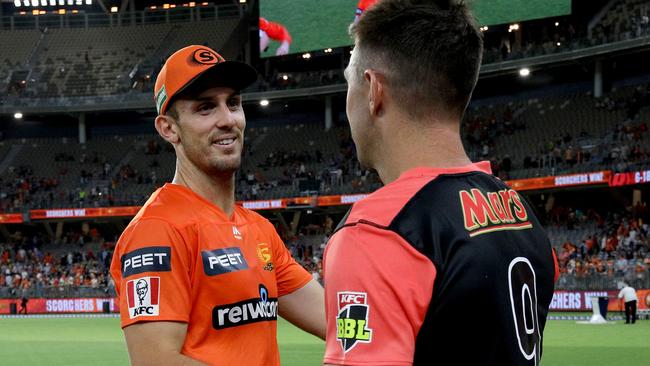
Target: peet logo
222,261
352,320
493,211
143,295
148,259
244,312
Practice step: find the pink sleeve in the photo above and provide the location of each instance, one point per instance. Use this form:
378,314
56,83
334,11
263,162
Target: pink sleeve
377,292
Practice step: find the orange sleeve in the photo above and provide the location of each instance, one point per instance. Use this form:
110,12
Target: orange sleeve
290,276
377,292
151,270
275,31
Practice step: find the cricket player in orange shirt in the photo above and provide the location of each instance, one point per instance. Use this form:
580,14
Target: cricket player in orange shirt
200,280
277,32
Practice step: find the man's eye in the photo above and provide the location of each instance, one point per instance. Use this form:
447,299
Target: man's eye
205,107
235,102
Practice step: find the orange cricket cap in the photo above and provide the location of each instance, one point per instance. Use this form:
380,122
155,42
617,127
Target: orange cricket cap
198,67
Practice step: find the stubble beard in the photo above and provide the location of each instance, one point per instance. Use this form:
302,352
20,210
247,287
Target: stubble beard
214,165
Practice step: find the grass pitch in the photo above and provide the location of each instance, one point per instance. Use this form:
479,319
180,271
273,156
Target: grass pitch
316,25
99,341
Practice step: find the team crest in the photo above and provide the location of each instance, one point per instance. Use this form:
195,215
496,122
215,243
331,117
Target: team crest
264,254
352,320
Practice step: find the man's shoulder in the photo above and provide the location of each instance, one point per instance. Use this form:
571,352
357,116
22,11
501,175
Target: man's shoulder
168,206
381,206
251,217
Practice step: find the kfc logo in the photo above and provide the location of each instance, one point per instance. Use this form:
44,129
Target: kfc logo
143,297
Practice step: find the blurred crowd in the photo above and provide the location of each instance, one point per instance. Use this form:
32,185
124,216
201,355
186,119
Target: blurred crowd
618,246
27,269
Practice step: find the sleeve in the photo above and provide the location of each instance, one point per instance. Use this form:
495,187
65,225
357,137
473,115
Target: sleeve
377,292
290,276
151,270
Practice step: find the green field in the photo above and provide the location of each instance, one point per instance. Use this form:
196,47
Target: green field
316,25
91,341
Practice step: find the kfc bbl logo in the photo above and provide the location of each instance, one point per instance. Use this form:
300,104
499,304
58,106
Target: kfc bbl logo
143,296
352,320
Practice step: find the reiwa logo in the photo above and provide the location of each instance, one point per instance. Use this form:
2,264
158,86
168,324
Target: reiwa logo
143,295
352,320
262,309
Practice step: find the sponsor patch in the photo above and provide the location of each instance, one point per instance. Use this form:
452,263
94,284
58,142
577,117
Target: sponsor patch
143,297
222,261
352,320
262,309
149,259
264,255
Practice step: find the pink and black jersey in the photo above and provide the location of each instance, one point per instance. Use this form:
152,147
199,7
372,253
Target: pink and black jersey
441,265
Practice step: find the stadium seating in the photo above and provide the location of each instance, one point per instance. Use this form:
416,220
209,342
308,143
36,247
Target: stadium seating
533,134
626,19
539,130
73,62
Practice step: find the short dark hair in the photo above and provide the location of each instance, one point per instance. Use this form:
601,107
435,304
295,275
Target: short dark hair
430,52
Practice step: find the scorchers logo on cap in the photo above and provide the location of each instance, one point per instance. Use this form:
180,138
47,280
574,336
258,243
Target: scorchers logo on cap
143,296
352,320
206,56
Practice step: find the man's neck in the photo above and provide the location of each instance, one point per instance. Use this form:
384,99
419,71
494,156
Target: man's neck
435,147
220,189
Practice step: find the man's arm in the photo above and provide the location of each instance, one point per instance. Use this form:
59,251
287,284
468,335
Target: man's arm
305,308
157,344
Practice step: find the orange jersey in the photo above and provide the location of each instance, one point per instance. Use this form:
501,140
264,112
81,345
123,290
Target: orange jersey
363,5
182,259
275,31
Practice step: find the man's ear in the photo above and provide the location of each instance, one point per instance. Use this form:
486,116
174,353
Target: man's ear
377,92
167,128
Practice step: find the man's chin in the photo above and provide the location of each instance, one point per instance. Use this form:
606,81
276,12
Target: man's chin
225,167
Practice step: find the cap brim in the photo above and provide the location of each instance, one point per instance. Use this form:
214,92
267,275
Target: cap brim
232,74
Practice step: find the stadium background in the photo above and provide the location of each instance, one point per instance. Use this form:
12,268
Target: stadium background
561,111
